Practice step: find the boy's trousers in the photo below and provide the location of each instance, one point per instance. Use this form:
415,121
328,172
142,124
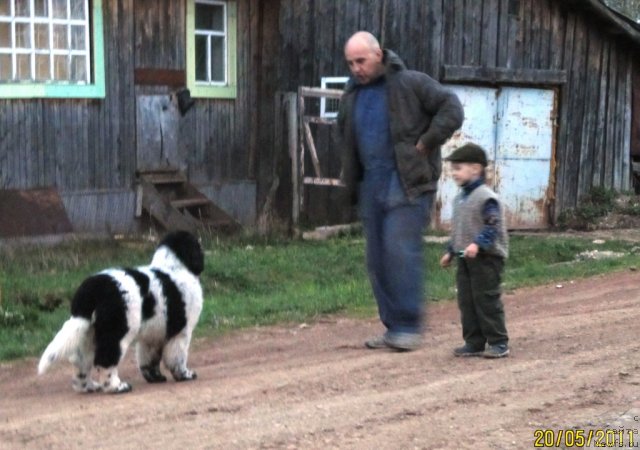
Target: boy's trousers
482,312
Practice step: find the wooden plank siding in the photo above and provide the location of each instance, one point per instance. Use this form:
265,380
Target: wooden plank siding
539,43
89,145
84,146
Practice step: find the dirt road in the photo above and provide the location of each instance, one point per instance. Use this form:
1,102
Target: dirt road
575,363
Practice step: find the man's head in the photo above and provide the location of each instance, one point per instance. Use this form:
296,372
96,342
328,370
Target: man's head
467,163
364,57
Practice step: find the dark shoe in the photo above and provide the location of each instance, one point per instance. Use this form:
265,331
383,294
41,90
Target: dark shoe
376,342
403,341
496,351
467,350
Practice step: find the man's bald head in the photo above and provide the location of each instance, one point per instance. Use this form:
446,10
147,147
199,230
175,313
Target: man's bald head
364,57
362,39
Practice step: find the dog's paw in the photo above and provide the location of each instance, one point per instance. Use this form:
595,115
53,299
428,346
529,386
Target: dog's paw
85,386
185,375
122,388
153,375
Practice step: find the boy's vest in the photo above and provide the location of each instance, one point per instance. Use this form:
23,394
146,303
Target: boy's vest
468,223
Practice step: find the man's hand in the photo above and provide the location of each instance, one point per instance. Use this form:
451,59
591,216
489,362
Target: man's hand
445,261
420,148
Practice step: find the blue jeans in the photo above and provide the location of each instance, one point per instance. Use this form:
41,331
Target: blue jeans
393,226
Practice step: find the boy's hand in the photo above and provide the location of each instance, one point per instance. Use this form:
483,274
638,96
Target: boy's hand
471,251
445,261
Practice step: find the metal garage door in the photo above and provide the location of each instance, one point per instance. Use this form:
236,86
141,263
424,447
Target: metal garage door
515,126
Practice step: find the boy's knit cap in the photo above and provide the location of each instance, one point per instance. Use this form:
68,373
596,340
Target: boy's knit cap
469,153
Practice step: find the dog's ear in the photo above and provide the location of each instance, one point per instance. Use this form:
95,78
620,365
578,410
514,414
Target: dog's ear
187,249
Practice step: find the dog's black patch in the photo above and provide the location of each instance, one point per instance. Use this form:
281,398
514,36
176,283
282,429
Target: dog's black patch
86,297
187,248
148,300
100,294
176,313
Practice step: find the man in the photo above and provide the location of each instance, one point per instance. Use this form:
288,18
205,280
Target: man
393,122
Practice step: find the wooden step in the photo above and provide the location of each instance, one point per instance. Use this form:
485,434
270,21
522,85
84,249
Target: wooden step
167,196
190,202
163,176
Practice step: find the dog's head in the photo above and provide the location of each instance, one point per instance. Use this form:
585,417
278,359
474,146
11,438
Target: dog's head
186,248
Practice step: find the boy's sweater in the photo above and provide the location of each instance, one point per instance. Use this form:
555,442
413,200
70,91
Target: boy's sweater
474,220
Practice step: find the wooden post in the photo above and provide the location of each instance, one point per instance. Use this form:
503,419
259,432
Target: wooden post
292,116
301,149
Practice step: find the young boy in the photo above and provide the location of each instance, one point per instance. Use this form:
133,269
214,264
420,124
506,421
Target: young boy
479,240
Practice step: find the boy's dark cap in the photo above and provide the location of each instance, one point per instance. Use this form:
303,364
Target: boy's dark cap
469,153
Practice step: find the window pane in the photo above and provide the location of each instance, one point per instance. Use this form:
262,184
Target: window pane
23,63
23,35
5,7
60,37
22,8
5,67
77,37
201,58
42,68
5,34
77,9
41,31
78,69
217,59
41,8
60,67
210,17
59,9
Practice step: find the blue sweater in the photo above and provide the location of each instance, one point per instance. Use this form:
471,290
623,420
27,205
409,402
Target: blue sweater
373,134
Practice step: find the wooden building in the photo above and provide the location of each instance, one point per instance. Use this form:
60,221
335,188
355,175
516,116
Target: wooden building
88,94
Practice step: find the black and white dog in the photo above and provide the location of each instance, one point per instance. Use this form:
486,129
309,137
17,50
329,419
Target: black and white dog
157,306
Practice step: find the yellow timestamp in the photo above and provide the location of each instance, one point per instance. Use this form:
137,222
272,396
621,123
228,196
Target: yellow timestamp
607,437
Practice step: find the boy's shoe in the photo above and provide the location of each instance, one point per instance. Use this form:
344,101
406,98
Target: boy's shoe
497,351
467,350
403,341
376,342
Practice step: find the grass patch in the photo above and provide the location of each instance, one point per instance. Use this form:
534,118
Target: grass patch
251,281
597,206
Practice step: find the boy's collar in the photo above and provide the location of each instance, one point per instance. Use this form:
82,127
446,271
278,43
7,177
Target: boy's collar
469,186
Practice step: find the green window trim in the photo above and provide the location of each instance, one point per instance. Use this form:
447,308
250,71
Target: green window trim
203,90
62,90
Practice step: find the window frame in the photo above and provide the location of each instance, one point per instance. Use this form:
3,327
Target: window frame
56,89
213,90
325,83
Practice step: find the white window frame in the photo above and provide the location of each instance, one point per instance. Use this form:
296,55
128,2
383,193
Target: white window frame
327,83
50,21
203,89
210,34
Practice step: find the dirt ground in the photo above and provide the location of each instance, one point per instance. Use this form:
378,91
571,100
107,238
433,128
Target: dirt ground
574,364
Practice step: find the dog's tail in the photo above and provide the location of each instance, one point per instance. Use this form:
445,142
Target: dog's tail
65,344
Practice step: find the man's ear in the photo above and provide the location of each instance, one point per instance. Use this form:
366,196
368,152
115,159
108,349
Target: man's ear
379,54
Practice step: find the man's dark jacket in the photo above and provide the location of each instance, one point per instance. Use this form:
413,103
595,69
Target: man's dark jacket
420,108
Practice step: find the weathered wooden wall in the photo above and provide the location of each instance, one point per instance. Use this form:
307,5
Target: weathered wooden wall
87,148
593,126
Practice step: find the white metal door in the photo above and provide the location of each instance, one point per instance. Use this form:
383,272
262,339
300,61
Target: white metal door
523,155
515,126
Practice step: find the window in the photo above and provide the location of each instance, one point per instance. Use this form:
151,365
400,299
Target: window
51,48
329,106
211,52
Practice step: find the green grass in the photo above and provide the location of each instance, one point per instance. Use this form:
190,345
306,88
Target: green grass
249,282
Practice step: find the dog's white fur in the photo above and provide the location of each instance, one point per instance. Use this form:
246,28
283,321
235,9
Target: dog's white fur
76,340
